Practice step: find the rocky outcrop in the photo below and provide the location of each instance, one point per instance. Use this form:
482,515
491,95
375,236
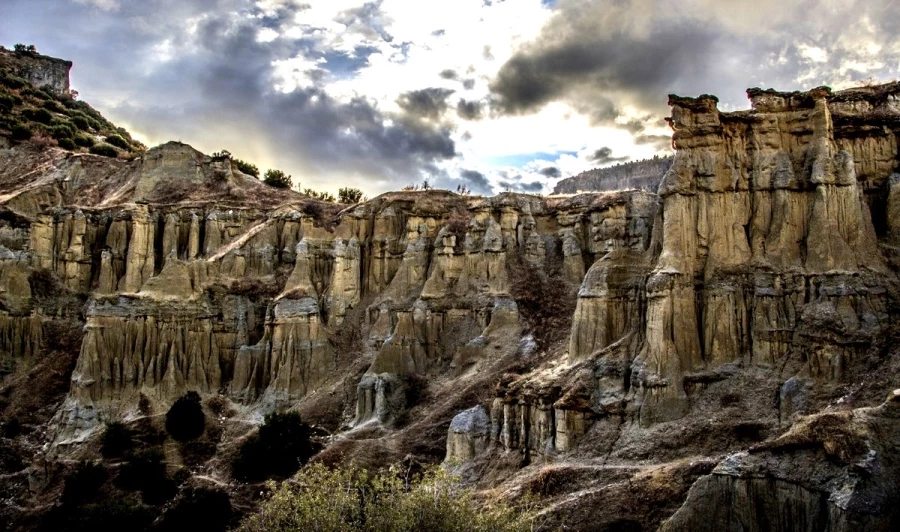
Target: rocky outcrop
39,70
469,435
833,471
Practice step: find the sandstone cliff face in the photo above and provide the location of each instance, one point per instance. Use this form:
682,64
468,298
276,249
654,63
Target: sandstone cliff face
764,261
39,70
250,303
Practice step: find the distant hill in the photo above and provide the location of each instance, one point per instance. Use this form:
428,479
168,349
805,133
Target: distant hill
642,175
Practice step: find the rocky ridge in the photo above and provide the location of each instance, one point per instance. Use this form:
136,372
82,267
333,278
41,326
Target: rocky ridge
638,175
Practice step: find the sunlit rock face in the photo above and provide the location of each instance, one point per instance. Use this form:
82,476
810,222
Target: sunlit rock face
772,260
192,285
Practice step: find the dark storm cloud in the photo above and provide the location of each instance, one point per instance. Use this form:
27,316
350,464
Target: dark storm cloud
604,156
475,181
425,103
551,171
215,89
449,74
468,84
560,69
469,110
601,57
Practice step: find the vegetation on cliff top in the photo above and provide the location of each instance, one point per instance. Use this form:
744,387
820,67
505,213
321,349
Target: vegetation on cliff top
48,117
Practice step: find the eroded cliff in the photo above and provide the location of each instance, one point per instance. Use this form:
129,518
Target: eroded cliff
669,355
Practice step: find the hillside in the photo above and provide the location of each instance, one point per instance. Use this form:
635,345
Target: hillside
662,359
637,175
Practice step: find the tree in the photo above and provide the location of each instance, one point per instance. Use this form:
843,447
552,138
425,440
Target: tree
278,450
116,440
20,48
321,196
245,167
349,195
426,185
277,179
185,421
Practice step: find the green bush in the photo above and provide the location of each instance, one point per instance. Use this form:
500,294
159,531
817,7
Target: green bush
53,106
185,421
61,131
352,499
279,449
81,123
199,509
245,167
277,179
13,82
117,141
84,482
7,102
21,132
322,196
349,195
104,149
84,141
66,144
42,116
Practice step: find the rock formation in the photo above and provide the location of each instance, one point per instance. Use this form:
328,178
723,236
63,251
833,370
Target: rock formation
723,343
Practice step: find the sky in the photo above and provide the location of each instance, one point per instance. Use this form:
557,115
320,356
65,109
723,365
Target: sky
492,95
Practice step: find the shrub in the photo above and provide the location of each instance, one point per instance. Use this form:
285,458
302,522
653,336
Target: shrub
277,179
66,144
21,132
84,141
13,82
116,440
144,406
349,195
245,167
12,428
81,123
20,48
53,106
84,482
279,449
112,514
104,149
185,421
7,102
145,471
117,141
42,116
61,131
352,499
199,509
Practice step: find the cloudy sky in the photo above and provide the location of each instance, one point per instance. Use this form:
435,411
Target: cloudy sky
491,94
